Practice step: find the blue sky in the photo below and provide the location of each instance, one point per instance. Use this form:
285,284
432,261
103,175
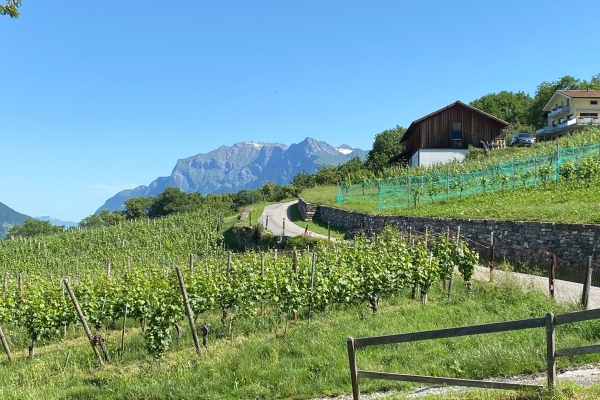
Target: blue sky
97,97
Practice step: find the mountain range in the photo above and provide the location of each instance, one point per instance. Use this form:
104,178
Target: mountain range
244,165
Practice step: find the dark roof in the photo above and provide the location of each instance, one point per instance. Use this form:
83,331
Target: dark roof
580,93
406,154
458,102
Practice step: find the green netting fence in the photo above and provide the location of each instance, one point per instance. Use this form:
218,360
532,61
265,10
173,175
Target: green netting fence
496,174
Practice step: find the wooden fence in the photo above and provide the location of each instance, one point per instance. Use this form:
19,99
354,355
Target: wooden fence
550,322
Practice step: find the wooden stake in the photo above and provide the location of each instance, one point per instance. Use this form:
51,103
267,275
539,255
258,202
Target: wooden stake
5,345
188,309
585,296
123,332
295,271
492,257
83,321
191,264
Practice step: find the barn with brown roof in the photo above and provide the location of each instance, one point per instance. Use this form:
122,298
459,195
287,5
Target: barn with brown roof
446,134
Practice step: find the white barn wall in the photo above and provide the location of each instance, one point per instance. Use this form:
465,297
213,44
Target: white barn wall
426,157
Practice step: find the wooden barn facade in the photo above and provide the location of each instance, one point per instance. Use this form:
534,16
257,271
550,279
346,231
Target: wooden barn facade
447,133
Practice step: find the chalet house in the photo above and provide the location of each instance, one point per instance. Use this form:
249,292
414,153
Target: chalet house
446,134
570,110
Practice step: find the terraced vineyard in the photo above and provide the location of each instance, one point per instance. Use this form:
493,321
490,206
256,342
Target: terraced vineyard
129,271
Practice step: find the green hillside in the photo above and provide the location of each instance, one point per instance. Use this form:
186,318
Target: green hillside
8,218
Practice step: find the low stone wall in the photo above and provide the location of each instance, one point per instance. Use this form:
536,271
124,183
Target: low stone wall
525,241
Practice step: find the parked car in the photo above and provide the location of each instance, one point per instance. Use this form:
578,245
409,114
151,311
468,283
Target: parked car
522,139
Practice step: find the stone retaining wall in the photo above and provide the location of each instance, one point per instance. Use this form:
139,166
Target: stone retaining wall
525,241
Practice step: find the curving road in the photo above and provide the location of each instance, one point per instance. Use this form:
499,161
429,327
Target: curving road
277,219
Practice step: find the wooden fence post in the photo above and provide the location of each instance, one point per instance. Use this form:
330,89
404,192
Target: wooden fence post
353,373
83,321
191,263
188,309
585,296
550,350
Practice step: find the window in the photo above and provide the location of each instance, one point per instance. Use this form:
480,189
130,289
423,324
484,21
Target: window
587,115
593,101
457,131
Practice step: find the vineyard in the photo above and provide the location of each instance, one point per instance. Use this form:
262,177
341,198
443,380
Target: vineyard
162,272
570,158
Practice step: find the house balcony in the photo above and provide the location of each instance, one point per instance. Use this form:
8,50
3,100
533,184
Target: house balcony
558,129
559,110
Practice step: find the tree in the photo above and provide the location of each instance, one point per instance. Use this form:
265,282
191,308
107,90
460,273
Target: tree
508,106
111,218
92,221
138,207
326,175
171,201
245,197
34,227
11,8
303,180
386,145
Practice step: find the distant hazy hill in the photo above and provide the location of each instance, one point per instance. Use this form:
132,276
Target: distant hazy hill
8,218
57,222
245,165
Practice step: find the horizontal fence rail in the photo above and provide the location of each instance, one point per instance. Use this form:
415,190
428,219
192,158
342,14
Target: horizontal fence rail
550,321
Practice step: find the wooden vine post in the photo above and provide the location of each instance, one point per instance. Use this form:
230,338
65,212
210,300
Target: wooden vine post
83,321
123,332
585,296
191,263
452,275
188,309
295,274
5,345
312,285
552,269
262,279
492,257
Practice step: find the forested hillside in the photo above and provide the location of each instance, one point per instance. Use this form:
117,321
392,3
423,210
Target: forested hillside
9,217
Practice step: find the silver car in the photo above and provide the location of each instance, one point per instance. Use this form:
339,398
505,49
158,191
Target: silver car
522,139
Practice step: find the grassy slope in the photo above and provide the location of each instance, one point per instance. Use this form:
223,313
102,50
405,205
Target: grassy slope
304,363
556,203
